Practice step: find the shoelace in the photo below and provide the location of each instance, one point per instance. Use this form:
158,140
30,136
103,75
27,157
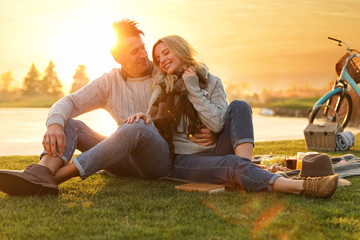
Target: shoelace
29,167
312,183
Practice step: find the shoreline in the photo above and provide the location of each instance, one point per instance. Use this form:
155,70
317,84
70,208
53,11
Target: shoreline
20,137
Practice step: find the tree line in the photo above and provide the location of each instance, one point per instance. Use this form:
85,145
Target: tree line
36,84
49,85
239,90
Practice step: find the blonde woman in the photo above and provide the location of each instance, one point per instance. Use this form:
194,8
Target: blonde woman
185,96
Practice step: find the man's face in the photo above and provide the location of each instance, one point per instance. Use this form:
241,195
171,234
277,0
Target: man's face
132,56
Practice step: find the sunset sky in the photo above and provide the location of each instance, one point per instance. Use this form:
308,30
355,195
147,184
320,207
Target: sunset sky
266,43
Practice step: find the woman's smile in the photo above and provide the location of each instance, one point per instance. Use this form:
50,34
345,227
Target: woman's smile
168,61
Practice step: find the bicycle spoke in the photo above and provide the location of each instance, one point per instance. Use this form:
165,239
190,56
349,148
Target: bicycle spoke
337,102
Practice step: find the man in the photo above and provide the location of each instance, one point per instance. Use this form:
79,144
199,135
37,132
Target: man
122,92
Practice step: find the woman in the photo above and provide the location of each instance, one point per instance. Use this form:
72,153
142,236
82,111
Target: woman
186,95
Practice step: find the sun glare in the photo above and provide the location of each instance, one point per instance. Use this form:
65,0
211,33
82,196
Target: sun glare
112,38
100,121
85,43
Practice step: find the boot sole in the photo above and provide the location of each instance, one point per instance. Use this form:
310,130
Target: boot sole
14,184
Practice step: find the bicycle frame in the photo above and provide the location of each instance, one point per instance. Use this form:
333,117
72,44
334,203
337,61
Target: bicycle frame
344,76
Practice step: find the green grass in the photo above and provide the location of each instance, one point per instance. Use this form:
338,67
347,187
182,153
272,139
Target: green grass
112,208
28,102
296,103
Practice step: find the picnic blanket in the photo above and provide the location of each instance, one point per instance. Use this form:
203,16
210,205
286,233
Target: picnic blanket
345,166
344,141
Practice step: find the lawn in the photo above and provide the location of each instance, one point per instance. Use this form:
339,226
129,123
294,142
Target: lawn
103,207
29,102
299,103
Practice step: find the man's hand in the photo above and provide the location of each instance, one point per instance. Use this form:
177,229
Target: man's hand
204,136
137,118
54,135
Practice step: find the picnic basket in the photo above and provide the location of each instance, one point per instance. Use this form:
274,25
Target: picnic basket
353,67
322,136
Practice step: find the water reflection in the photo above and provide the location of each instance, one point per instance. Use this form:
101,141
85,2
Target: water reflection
22,129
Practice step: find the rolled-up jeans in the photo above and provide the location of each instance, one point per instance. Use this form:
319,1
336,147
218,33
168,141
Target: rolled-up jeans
221,165
136,150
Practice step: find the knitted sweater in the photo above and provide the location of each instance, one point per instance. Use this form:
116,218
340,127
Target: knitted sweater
111,92
211,105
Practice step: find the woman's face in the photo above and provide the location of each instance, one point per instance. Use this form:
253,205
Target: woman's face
168,62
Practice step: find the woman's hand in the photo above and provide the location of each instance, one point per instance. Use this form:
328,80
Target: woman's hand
189,72
137,118
204,136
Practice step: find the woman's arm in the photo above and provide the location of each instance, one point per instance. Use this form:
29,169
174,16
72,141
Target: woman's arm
210,104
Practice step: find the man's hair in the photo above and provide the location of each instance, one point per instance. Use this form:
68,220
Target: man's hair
127,28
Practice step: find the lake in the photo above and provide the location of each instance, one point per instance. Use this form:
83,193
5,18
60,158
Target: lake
22,129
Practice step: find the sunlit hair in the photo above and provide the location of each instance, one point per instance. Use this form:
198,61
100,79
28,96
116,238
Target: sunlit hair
123,28
181,49
127,28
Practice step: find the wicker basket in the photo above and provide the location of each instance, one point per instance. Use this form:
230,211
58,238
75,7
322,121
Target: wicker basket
352,68
322,136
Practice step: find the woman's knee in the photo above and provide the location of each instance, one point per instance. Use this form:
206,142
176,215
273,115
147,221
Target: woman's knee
240,105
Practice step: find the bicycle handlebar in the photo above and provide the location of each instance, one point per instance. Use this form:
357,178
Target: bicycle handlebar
334,39
348,48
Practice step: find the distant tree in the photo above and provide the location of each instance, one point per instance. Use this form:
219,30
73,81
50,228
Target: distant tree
236,90
5,81
30,86
80,79
50,84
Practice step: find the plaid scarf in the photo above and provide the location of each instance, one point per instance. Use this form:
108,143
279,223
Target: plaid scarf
166,114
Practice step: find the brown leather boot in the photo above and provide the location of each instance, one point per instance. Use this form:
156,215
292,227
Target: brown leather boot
35,180
320,186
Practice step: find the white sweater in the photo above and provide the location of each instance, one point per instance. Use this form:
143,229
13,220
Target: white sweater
111,92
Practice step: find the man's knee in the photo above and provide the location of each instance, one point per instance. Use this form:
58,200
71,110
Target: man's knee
72,123
135,128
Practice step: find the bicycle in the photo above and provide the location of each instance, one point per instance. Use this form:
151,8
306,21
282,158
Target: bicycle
338,98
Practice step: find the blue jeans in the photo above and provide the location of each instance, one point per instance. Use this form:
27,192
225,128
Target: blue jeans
135,150
221,165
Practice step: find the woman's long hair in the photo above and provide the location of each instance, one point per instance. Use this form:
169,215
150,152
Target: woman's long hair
181,49
183,109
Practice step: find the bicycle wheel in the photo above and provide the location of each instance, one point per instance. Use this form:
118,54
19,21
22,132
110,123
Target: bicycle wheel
342,104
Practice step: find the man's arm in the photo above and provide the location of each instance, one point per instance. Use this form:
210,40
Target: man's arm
88,98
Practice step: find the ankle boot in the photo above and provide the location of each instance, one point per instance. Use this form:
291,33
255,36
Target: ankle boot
35,180
320,186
